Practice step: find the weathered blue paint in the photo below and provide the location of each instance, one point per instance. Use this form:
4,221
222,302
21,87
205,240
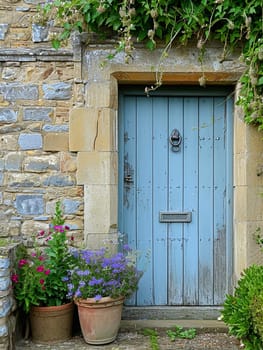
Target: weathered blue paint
188,263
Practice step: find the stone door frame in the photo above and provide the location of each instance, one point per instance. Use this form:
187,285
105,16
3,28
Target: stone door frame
93,135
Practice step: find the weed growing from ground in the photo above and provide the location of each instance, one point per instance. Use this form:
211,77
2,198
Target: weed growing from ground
173,334
153,334
179,332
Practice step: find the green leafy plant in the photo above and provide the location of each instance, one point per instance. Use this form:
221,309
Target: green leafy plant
235,23
99,274
40,277
180,332
257,314
243,310
153,335
259,238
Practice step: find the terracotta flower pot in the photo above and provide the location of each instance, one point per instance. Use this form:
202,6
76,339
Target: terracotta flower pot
51,324
100,321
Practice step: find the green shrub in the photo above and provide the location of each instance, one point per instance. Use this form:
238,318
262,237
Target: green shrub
242,312
257,314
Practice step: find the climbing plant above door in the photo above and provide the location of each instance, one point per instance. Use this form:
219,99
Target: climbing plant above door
235,23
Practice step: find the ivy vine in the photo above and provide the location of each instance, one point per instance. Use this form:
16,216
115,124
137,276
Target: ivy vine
235,23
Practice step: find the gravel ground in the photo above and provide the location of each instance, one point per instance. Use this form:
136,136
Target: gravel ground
136,340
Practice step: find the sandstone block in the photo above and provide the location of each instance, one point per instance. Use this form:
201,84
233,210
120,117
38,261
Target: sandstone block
101,208
56,142
83,129
100,94
97,168
92,129
9,142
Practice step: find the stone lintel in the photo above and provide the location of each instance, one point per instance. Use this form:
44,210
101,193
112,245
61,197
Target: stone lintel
175,78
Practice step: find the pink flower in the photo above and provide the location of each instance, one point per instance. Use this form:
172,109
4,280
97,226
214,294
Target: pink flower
22,262
40,268
41,258
14,278
72,238
33,254
59,228
47,272
41,281
67,228
41,233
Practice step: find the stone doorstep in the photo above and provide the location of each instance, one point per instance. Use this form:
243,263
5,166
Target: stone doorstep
201,326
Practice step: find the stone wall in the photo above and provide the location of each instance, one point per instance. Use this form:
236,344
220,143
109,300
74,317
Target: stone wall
7,303
38,88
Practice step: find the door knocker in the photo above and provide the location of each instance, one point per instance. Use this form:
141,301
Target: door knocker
175,140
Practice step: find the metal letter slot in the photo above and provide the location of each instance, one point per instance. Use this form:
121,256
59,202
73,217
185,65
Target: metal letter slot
175,217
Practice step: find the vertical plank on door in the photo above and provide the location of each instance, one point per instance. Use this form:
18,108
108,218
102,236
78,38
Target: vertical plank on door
128,199
175,204
219,201
191,132
159,198
144,209
205,204
159,190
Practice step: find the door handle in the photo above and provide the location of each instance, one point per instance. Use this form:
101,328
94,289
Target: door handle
175,140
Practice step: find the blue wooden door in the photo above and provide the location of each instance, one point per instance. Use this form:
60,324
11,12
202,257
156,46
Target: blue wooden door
175,192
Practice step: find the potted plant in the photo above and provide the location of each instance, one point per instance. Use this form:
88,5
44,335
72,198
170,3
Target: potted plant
40,282
99,284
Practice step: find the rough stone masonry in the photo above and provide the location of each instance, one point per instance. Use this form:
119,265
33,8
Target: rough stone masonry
38,87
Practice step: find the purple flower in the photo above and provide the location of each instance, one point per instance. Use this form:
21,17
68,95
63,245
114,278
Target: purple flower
112,283
97,297
95,281
82,284
70,286
127,248
78,293
82,273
